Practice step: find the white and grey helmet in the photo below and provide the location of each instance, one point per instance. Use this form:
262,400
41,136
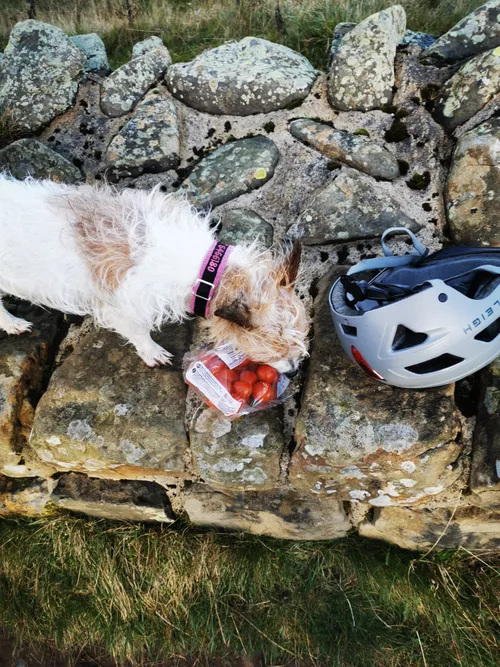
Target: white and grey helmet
421,320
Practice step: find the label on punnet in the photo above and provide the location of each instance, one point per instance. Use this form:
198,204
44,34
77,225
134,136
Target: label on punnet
229,355
200,377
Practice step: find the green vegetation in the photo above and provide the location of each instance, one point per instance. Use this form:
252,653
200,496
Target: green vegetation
188,28
122,591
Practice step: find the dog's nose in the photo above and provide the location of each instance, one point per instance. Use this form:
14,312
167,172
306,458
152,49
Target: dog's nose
291,374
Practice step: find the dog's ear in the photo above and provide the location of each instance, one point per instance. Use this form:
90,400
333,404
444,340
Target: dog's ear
237,311
292,253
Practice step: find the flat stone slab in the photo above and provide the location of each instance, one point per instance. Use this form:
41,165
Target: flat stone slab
350,207
479,31
122,500
485,470
362,69
242,78
240,454
94,50
474,85
107,414
278,513
147,45
232,170
354,150
40,72
473,187
22,364
121,91
25,497
363,441
240,225
149,142
473,528
29,157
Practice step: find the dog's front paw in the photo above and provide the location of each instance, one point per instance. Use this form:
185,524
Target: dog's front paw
155,355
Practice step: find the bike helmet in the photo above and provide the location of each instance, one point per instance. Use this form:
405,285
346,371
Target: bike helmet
420,320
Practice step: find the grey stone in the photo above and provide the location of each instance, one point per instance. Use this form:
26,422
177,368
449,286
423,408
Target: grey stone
147,45
40,73
473,187
242,78
149,142
107,414
124,500
340,30
121,91
485,469
473,528
474,85
354,150
240,225
29,157
1,58
417,82
348,208
240,454
477,32
422,39
284,514
232,170
363,441
362,69
95,52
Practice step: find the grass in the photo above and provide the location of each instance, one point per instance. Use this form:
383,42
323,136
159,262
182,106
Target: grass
188,28
124,592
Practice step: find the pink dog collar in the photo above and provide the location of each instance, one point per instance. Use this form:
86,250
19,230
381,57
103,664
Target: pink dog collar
209,277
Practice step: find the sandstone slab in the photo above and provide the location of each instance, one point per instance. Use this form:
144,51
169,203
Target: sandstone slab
474,528
29,157
350,207
40,72
477,32
367,442
149,142
278,513
240,454
26,497
232,170
22,366
473,187
354,150
95,52
242,78
362,69
474,85
107,414
240,225
121,91
122,500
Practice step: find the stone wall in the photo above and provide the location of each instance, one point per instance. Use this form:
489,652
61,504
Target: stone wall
401,129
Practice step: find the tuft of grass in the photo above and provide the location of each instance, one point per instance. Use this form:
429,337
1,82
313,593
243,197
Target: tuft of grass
10,130
128,593
188,28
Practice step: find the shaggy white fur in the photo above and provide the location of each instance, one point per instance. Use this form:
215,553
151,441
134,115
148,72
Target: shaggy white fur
130,260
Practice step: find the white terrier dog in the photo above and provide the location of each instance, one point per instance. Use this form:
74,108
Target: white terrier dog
132,260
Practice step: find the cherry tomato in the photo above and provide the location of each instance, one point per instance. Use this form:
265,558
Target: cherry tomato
226,376
242,366
248,376
213,363
261,392
242,389
267,374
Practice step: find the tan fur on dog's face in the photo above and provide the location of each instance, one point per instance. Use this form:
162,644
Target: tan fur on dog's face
256,309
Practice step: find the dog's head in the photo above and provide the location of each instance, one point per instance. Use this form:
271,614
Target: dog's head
256,309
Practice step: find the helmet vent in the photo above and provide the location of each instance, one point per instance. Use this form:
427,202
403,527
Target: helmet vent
349,331
490,333
405,338
436,364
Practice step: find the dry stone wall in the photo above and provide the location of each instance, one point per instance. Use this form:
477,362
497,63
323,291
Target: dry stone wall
400,129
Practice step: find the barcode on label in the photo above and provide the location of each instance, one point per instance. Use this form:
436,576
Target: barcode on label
229,355
201,378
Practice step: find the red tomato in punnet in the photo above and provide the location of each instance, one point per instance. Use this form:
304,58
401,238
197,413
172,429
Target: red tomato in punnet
227,377
267,374
242,389
261,392
213,363
248,376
